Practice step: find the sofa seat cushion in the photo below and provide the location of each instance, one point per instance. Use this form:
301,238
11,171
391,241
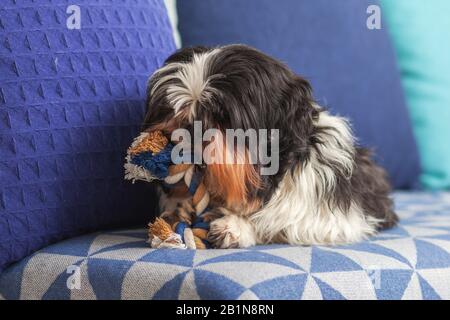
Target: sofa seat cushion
410,261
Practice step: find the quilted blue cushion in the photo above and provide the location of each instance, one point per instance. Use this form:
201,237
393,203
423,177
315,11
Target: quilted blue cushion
352,69
71,100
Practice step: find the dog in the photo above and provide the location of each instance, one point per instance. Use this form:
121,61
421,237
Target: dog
327,189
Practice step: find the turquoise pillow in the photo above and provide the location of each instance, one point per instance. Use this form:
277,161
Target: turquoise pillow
420,31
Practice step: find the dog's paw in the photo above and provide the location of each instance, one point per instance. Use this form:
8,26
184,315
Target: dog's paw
231,231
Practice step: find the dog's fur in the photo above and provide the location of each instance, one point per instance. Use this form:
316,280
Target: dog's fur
327,189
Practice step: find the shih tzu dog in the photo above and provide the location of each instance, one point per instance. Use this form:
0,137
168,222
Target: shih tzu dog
327,190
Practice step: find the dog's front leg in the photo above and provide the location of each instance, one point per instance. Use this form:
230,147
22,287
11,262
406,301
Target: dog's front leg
229,230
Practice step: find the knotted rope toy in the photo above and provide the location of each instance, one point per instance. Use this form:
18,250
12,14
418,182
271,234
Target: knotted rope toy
148,159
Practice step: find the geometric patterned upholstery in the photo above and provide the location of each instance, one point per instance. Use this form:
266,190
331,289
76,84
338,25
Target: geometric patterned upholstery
411,261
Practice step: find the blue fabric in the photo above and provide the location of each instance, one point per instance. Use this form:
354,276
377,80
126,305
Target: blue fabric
411,261
71,100
352,69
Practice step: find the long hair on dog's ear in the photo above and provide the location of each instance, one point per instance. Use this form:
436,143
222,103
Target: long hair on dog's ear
232,184
295,120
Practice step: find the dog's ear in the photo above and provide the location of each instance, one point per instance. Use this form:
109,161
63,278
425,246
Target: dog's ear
232,178
296,123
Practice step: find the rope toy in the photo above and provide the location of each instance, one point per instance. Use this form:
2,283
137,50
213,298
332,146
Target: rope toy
148,159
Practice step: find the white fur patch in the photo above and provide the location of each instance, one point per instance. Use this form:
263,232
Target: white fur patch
337,146
193,77
236,230
298,212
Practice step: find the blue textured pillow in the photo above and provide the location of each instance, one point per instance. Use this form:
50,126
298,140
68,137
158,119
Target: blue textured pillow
71,100
351,68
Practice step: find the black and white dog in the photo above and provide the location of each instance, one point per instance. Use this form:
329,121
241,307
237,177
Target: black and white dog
327,190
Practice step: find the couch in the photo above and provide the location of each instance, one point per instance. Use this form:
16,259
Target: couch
70,228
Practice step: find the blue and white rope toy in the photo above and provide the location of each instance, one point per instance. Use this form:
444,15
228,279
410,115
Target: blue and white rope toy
148,159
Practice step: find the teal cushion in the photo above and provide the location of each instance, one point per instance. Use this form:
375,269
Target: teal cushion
420,31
